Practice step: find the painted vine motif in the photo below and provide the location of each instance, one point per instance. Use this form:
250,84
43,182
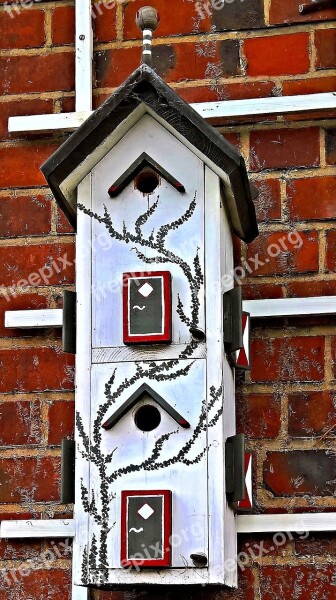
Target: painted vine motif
211,410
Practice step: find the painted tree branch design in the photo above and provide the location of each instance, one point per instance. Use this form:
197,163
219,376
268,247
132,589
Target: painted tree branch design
211,410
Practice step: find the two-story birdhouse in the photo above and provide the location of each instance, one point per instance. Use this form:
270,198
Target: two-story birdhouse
156,195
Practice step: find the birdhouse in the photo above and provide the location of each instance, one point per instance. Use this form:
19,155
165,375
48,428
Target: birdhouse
155,194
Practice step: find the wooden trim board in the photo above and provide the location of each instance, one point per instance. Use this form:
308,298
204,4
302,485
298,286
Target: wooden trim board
208,110
282,307
64,528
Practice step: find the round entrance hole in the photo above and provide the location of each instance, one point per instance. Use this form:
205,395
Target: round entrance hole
147,417
147,181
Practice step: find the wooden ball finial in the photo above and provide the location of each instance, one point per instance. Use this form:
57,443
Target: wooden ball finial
147,18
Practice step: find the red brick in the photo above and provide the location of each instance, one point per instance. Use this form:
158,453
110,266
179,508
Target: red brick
304,289
259,415
311,413
277,55
36,478
42,73
63,225
63,25
68,104
181,19
268,202
283,148
22,30
16,550
35,369
331,250
227,91
98,99
232,15
316,115
288,359
20,423
284,253
311,199
232,138
61,419
19,302
309,86
333,354
104,21
24,215
298,582
21,108
20,165
325,43
308,472
48,584
288,12
180,62
330,136
316,544
277,544
43,264
17,516
260,291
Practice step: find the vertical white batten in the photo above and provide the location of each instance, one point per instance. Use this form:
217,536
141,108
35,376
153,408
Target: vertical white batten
222,532
84,55
83,370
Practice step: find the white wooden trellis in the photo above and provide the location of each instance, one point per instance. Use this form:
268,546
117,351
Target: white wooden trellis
282,307
298,522
208,110
257,308
285,523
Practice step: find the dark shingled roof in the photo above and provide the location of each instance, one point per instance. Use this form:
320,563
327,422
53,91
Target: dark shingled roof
144,86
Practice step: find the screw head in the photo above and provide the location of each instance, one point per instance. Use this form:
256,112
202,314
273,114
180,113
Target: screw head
147,18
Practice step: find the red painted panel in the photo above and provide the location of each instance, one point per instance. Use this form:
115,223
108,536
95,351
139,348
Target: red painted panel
165,518
159,330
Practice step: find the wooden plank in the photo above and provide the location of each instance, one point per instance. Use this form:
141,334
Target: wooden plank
119,354
44,123
60,528
30,319
112,258
276,105
53,528
83,376
291,307
84,55
79,592
282,307
222,534
299,522
208,110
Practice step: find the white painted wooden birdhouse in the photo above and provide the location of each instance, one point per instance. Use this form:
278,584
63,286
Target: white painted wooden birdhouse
156,194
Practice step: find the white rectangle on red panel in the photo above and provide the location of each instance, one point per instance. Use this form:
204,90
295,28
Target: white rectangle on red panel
147,307
247,503
146,522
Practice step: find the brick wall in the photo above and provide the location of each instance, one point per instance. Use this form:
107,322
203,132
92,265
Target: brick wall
286,405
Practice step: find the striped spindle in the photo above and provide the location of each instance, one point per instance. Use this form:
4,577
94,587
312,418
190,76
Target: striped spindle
147,19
